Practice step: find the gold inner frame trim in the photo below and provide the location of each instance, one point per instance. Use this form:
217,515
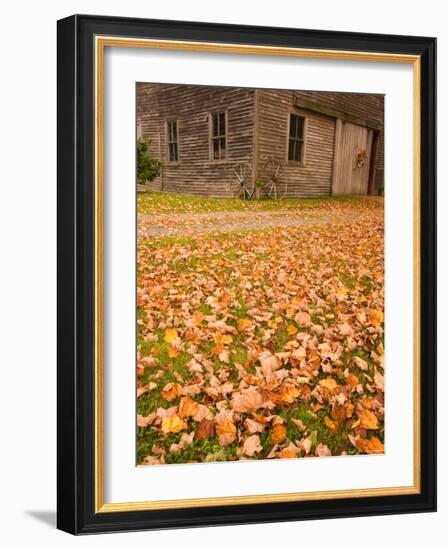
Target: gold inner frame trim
101,42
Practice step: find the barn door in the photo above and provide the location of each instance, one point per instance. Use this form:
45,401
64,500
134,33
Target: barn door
353,149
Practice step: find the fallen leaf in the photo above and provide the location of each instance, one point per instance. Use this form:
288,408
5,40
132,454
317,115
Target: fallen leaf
247,400
278,434
329,384
244,324
332,426
171,391
172,424
187,407
252,445
170,335
322,450
303,319
370,446
226,432
205,429
368,420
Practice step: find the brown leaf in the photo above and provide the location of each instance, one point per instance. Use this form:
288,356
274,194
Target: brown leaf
247,400
205,429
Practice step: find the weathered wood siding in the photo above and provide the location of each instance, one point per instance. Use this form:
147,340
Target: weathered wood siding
195,172
349,178
313,177
364,106
257,130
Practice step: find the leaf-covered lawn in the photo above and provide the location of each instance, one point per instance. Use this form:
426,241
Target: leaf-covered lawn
165,203
262,344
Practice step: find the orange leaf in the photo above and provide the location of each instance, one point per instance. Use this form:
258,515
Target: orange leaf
370,446
292,329
244,324
329,384
187,407
368,420
171,391
278,433
226,432
376,317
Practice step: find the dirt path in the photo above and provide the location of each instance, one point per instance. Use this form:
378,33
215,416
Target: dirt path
150,225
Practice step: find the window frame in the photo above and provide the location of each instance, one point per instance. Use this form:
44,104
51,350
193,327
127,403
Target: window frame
169,142
302,161
211,137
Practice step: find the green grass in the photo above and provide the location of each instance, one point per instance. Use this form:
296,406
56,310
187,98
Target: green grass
168,203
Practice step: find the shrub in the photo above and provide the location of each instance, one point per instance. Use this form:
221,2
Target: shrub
148,168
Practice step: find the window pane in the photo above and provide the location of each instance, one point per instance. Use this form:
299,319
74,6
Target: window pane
300,126
215,148
299,150
293,126
215,129
291,149
175,155
222,124
222,148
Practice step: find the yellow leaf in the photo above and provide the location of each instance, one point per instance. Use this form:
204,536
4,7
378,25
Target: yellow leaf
332,426
170,335
292,329
172,424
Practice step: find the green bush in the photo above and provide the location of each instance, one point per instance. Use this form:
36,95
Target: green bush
148,168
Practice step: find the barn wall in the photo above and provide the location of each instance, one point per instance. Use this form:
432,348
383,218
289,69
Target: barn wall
195,173
262,136
314,178
364,106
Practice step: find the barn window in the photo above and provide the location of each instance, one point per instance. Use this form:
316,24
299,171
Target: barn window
173,141
218,136
296,137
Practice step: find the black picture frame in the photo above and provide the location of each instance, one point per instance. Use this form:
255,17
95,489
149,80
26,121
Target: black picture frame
76,255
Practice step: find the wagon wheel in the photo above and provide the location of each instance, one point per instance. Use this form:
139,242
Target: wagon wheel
275,186
242,184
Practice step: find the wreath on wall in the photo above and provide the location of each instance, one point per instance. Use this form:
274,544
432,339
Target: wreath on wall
361,158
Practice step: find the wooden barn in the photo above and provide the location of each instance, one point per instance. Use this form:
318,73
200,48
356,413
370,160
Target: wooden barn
311,143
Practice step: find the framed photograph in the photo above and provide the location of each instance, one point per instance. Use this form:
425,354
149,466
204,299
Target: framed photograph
246,274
